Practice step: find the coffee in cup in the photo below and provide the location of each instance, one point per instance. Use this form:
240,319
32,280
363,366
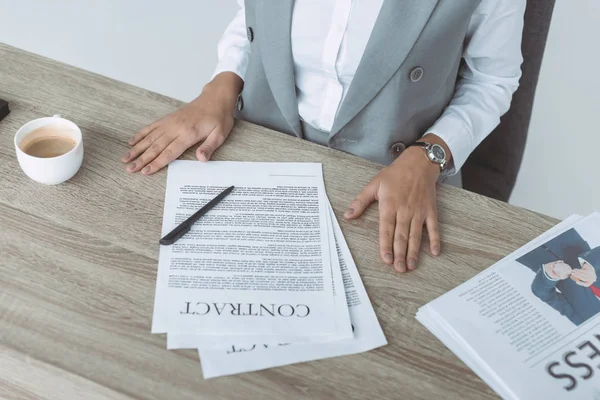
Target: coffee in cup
49,150
49,142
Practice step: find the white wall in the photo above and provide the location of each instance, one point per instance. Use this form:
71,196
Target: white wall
169,47
560,174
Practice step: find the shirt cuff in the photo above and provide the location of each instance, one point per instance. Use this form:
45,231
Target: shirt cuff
548,276
583,261
457,137
234,60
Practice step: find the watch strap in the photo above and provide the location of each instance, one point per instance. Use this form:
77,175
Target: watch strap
422,145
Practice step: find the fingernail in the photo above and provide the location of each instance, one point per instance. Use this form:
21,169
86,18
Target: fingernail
204,156
389,257
349,212
436,250
131,167
146,170
125,157
400,266
412,263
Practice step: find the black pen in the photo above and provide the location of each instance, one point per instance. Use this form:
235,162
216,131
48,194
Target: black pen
186,225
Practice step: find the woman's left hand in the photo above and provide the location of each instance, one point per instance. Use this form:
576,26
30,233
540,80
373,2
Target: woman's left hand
406,193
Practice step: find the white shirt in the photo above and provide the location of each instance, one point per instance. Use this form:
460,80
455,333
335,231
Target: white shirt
329,38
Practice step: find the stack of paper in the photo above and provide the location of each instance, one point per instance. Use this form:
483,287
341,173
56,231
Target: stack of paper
529,326
258,281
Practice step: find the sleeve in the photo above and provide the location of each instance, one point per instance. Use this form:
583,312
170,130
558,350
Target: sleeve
591,257
234,48
487,80
545,290
536,258
548,276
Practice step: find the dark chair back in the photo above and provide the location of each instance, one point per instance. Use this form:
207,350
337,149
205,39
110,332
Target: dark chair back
492,168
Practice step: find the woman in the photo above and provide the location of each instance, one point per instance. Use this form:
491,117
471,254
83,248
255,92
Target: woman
415,85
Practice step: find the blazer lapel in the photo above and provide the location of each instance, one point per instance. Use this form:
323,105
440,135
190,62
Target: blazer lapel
274,24
397,29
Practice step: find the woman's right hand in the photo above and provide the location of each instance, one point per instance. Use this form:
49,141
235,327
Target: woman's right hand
207,119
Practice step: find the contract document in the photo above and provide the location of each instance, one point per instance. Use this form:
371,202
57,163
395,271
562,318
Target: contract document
258,264
265,278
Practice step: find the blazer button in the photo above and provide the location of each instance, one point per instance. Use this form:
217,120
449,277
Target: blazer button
416,74
240,103
398,148
250,34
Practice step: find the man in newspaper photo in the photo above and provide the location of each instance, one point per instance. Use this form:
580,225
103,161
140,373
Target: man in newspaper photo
567,272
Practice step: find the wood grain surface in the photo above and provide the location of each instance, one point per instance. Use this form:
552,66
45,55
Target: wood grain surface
78,262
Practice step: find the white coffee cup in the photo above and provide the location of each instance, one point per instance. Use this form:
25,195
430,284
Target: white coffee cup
50,170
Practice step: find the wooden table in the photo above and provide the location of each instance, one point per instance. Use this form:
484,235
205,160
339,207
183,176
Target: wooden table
78,262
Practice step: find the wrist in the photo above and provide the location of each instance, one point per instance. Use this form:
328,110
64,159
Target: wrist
225,87
435,139
418,158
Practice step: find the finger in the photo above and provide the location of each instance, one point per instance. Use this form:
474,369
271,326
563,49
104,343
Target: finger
142,133
214,140
433,231
401,242
143,145
387,224
362,201
150,154
576,273
171,152
414,242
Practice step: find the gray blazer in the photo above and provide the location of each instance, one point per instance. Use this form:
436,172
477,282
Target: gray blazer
397,93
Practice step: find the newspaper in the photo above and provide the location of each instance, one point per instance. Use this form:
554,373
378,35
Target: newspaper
529,326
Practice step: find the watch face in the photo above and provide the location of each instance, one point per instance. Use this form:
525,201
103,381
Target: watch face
438,152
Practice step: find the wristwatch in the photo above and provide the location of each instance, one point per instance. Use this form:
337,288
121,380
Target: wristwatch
434,152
